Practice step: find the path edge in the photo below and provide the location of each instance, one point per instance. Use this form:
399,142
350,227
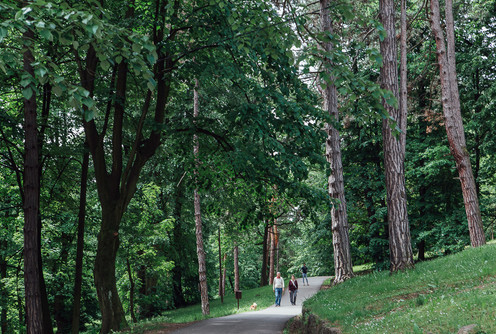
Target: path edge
309,323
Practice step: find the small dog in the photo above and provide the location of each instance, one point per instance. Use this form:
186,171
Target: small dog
253,306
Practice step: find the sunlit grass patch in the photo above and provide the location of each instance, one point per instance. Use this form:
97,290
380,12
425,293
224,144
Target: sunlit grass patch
439,296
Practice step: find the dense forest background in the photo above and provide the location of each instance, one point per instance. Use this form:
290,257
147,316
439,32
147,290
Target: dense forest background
111,86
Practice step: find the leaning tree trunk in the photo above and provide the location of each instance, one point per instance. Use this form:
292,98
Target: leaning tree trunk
202,268
453,119
340,237
400,248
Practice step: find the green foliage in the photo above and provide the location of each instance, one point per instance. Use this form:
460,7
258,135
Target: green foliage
260,138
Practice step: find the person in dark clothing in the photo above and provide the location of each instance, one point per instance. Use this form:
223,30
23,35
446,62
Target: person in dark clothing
293,290
304,270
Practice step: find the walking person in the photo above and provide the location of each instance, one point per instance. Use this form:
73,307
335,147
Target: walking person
304,271
278,287
293,289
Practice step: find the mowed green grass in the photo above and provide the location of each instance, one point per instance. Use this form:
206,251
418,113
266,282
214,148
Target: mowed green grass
438,296
264,297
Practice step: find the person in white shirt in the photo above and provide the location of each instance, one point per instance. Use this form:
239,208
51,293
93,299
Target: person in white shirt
278,287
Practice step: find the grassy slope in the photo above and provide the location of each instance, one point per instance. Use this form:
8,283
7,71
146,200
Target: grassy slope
264,297
438,296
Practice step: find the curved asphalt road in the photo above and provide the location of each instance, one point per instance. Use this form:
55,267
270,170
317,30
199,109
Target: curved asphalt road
270,320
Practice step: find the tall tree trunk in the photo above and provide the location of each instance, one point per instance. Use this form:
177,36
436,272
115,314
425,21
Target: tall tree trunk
265,247
276,249
3,275
78,275
20,307
236,267
224,276
220,270
177,271
61,314
45,111
272,254
453,119
421,250
340,237
117,187
400,248
113,316
202,268
131,291
32,246
403,69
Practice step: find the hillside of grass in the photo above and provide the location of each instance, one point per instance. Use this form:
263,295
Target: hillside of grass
438,296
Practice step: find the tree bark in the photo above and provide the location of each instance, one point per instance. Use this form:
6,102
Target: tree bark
453,119
177,271
117,187
131,291
272,254
400,248
340,230
3,275
62,316
224,276
403,69
113,316
421,250
114,199
202,268
236,267
32,247
265,247
220,270
78,275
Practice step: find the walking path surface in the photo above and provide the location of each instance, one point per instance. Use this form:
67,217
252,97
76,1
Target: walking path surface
270,320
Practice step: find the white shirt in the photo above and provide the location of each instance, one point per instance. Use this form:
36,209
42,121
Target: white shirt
278,283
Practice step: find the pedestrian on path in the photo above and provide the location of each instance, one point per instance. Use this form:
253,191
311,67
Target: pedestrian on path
304,271
293,289
278,287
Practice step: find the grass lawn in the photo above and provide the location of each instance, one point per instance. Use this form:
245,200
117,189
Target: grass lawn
438,296
264,297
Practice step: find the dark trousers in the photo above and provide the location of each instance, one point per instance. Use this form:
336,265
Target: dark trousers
292,296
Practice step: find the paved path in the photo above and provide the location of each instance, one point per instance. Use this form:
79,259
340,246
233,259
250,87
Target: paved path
270,320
